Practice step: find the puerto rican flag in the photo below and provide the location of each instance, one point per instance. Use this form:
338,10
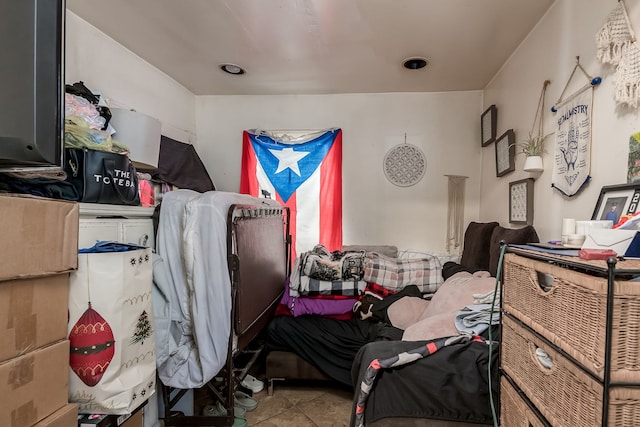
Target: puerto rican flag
306,177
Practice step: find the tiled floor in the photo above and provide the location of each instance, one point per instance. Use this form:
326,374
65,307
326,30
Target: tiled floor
299,405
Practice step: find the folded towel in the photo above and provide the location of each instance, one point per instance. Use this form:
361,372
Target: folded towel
474,319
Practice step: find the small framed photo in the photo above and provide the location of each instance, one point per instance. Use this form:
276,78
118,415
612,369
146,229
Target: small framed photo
521,201
506,153
617,200
488,124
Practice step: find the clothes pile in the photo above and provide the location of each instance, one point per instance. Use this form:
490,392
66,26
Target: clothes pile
341,283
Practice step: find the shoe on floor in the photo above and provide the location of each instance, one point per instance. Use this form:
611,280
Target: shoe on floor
218,410
245,401
239,422
252,383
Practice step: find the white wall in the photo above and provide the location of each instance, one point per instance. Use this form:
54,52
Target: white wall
443,125
125,80
568,30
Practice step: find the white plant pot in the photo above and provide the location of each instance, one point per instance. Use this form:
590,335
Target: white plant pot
533,164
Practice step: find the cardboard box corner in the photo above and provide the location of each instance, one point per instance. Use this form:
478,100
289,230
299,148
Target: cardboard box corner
40,235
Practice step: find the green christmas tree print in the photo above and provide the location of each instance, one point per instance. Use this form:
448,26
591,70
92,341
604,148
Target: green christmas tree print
143,329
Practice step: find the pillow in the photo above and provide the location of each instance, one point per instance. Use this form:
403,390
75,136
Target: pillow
387,250
515,236
395,274
406,311
477,238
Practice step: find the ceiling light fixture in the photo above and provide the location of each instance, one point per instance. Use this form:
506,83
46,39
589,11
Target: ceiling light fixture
414,63
232,69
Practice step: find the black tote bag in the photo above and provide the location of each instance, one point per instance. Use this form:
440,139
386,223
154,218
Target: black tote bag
102,176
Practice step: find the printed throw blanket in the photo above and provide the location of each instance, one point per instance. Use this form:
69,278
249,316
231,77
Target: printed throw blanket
303,285
321,264
395,274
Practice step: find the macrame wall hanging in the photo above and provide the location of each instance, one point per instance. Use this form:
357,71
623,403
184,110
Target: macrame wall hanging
615,35
617,45
455,213
405,164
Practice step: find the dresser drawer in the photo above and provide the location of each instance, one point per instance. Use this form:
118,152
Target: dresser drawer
564,394
136,231
514,411
569,309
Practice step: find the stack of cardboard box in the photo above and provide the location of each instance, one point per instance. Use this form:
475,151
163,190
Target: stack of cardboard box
38,249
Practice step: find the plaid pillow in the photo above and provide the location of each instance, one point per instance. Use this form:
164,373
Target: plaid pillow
394,274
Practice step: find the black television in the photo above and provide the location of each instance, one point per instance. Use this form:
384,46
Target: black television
31,84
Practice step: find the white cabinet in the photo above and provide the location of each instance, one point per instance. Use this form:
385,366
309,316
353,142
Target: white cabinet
124,230
126,224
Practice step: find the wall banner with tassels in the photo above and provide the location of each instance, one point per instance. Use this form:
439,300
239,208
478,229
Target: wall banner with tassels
572,152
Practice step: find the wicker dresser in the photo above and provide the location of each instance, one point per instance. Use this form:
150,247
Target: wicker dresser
570,352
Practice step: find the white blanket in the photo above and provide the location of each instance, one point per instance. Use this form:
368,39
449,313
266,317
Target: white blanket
192,241
177,357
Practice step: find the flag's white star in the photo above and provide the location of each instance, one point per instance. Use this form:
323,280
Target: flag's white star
287,158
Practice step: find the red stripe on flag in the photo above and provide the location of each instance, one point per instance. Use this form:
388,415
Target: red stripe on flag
331,196
248,178
292,204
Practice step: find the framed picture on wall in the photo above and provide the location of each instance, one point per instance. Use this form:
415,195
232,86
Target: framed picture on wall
617,200
506,153
521,201
488,123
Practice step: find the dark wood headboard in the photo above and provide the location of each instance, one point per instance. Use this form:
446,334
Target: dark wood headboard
258,250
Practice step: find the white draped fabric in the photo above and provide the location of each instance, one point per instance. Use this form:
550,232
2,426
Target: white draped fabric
193,286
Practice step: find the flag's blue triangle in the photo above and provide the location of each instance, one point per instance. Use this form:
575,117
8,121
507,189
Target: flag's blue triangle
283,161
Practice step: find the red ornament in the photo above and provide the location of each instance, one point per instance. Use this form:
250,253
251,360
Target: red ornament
92,347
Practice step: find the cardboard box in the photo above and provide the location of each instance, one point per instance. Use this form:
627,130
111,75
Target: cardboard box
67,416
33,313
34,386
134,421
39,236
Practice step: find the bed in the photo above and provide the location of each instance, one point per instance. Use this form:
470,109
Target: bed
447,388
221,262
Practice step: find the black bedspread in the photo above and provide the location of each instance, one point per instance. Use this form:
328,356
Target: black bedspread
329,344
451,384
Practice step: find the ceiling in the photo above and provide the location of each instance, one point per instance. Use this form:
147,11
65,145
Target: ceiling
318,46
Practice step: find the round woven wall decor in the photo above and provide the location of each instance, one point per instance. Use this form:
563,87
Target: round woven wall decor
404,165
